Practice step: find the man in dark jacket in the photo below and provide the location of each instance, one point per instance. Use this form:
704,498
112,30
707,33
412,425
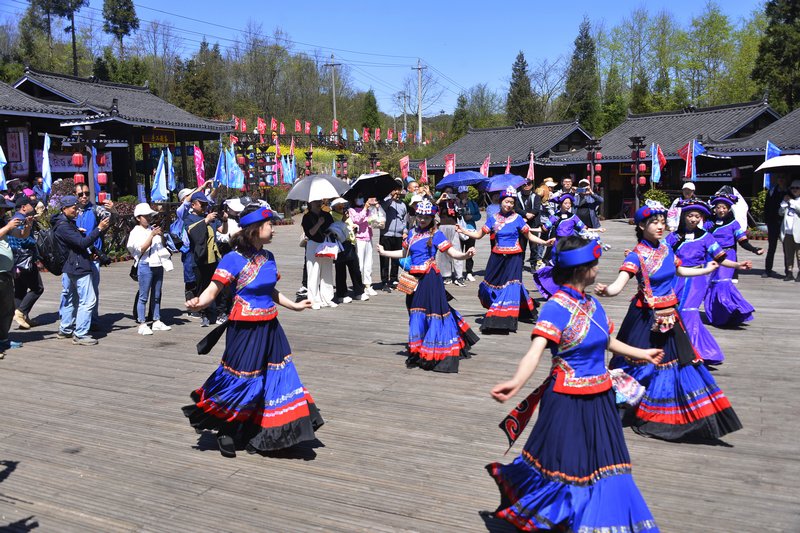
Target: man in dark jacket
78,298
773,220
201,226
528,205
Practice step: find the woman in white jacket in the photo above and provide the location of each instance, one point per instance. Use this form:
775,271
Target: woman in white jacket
151,259
790,230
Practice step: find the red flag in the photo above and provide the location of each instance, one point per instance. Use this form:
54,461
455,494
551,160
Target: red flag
273,124
283,129
662,159
404,166
390,135
508,165
335,126
686,156
261,126
377,134
530,176
243,125
449,164
307,129
199,166
234,139
235,123
485,166
291,147
365,136
424,168
297,126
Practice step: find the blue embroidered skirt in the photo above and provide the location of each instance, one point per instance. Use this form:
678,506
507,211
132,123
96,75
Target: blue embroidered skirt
574,473
504,295
255,392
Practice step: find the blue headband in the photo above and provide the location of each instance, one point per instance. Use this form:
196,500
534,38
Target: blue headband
564,196
695,205
579,256
256,216
647,211
729,199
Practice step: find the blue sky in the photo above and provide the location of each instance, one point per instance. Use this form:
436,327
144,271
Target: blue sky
465,42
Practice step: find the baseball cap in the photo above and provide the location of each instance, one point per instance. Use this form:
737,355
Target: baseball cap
338,201
22,201
584,181
199,196
416,198
688,185
143,209
67,201
183,193
549,182
234,204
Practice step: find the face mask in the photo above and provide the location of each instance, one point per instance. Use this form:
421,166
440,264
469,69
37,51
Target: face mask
359,202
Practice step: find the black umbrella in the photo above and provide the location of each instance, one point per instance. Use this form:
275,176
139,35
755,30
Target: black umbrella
377,185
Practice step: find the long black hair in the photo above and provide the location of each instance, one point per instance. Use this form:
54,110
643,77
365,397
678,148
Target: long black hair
640,231
565,275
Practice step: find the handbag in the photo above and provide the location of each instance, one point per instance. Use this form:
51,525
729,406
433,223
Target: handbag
134,273
406,283
327,248
463,225
628,391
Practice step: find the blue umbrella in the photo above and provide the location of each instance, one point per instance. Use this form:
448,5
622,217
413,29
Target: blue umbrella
502,182
462,178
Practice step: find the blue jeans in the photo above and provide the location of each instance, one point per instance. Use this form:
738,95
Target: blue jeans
150,279
96,286
78,300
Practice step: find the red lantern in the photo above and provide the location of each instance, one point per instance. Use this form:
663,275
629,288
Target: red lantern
642,180
588,167
308,163
597,179
240,159
598,167
262,184
102,197
378,164
642,154
101,159
77,159
78,178
102,178
598,156
642,167
633,170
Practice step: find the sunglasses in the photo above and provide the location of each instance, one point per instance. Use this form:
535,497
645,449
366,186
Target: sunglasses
81,194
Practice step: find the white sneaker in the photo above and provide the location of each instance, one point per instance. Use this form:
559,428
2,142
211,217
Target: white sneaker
316,307
470,277
364,297
144,329
346,300
448,281
333,304
160,326
370,291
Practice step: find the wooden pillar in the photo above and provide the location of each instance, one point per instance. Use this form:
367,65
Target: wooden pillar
131,187
184,165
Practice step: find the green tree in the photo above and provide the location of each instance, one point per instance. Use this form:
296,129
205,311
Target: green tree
460,124
710,49
778,64
614,110
520,102
582,87
370,117
46,10
67,9
120,20
640,93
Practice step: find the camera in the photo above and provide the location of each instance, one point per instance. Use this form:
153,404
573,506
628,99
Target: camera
581,190
102,212
102,258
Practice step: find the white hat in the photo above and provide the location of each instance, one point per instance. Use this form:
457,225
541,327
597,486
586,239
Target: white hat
688,185
415,198
235,205
549,182
584,180
143,209
183,193
338,201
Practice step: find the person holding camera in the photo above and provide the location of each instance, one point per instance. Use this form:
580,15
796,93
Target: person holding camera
28,286
7,277
78,298
448,216
152,259
201,225
89,214
587,203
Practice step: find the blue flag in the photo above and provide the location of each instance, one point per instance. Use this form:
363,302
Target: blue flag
235,172
355,136
403,136
4,161
344,133
655,174
319,130
47,175
221,175
770,152
159,191
170,172
697,149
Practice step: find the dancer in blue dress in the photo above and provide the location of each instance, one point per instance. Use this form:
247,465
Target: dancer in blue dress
255,396
695,247
682,400
501,292
574,473
563,224
438,336
724,304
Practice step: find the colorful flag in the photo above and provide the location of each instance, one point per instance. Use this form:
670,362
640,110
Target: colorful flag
344,133
404,161
424,169
657,162
235,172
221,175
403,136
508,165
366,135
199,166
242,125
531,176
261,126
170,172
234,139
689,154
273,124
356,138
291,147
282,129
95,171
377,134
485,166
319,130
297,126
390,135
158,193
47,175
449,164
307,128
4,161
770,152
278,167
235,123
335,126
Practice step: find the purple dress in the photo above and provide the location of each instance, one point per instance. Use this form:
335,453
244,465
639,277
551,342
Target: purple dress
566,224
725,306
695,249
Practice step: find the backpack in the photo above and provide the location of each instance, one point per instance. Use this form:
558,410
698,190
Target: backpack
51,252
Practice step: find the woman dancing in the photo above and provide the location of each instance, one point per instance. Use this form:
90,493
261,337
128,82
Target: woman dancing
695,247
255,395
502,291
682,400
574,473
724,304
437,334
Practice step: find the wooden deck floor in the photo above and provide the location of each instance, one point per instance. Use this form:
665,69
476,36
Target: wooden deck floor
92,439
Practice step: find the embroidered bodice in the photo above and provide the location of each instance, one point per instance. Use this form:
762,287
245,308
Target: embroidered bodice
696,248
657,278
423,257
253,278
570,224
727,234
505,232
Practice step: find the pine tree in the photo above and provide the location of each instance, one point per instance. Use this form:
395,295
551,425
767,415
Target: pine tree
640,93
778,64
614,108
67,9
582,88
370,117
119,20
520,103
460,125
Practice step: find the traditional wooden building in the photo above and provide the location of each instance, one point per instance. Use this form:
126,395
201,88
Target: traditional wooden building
125,116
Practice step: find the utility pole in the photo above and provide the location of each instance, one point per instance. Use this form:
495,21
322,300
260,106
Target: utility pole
333,66
404,96
419,68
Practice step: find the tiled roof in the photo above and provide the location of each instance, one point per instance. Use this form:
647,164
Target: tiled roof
673,129
785,133
517,142
135,105
15,102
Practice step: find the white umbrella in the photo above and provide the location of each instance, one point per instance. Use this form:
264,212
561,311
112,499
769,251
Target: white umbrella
317,187
782,162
